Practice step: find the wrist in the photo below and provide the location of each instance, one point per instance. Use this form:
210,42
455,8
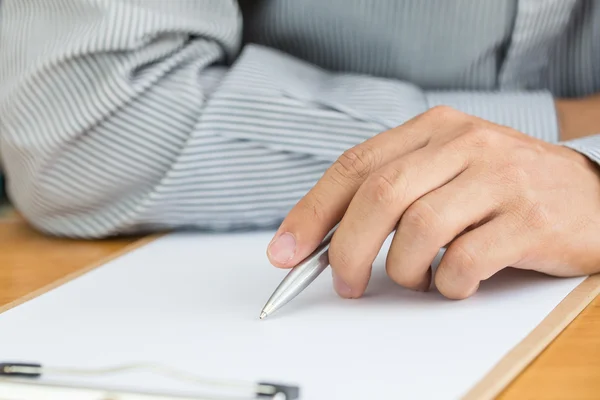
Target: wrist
584,164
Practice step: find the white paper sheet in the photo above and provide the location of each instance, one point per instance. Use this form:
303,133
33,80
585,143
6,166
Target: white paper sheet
192,301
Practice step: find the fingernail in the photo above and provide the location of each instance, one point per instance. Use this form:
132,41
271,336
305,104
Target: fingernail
426,284
341,287
283,248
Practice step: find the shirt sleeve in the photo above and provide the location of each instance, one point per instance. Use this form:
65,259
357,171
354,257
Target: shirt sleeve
588,146
123,116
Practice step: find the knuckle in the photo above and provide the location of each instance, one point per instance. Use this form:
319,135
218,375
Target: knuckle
462,259
457,147
339,257
478,137
315,208
421,219
386,188
443,112
356,164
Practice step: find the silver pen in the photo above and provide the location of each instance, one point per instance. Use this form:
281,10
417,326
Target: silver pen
300,277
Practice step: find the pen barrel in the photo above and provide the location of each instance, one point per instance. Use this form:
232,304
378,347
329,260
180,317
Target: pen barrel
299,278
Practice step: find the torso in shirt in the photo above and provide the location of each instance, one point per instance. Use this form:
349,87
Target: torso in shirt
460,45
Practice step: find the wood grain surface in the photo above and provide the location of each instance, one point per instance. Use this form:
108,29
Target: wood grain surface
31,263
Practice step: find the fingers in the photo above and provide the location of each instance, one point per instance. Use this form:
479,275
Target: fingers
378,205
322,208
433,221
479,254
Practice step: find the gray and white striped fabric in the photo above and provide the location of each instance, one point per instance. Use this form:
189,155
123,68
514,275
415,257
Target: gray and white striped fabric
121,116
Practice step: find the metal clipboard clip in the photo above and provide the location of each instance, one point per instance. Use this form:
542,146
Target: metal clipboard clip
18,381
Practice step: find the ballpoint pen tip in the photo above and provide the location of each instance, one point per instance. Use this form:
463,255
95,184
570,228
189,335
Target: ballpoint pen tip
263,315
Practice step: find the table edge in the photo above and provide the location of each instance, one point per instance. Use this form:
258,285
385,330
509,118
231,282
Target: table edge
82,271
520,356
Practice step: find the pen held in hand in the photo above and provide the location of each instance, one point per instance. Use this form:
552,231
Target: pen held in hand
300,277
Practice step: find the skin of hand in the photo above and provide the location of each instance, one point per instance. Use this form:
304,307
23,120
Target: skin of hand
494,197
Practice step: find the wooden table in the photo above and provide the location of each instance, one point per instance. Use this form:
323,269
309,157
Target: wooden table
31,263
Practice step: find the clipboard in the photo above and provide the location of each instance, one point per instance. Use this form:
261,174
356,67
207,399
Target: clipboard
490,386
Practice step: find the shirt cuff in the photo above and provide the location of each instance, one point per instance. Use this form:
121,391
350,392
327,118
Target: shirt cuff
589,146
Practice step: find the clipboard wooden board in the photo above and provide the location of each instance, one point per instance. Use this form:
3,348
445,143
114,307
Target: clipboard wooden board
15,236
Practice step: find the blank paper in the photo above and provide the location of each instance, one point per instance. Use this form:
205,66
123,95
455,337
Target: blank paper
192,301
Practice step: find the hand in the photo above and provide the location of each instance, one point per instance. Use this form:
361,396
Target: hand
494,196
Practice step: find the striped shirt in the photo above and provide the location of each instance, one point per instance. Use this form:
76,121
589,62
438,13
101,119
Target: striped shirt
120,116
